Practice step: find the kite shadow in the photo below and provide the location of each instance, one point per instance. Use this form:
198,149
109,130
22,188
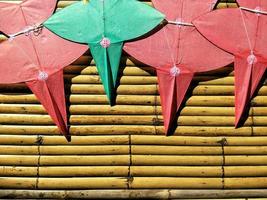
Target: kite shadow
200,77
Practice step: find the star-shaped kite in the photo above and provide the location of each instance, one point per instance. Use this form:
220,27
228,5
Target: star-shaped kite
241,31
104,25
34,55
177,52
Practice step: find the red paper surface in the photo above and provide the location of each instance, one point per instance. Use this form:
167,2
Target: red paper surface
242,33
36,58
181,46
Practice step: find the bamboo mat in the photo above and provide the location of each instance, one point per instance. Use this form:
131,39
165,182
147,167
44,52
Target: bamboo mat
121,151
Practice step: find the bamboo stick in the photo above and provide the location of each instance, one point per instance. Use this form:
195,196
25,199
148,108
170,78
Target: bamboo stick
135,194
134,130
18,171
155,160
175,183
245,171
66,150
82,183
84,171
59,140
62,160
245,182
135,140
17,183
175,171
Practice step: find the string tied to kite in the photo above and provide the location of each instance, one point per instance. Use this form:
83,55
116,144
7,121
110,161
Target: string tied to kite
257,10
251,59
35,29
180,23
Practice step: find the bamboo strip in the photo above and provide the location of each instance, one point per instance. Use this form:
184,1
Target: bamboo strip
59,140
15,171
245,182
155,160
17,183
62,160
199,141
82,183
114,160
245,171
128,110
176,171
63,183
174,150
84,171
136,150
135,140
64,150
134,194
175,183
134,130
136,171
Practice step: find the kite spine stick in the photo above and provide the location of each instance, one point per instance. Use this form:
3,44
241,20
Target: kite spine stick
180,23
254,10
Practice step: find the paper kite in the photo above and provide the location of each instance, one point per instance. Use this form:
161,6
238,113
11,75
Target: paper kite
104,25
36,56
177,52
241,31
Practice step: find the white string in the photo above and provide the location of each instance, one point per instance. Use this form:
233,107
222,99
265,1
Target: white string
169,46
180,23
245,26
257,11
36,29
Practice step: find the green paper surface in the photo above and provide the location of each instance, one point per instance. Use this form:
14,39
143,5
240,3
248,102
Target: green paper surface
117,20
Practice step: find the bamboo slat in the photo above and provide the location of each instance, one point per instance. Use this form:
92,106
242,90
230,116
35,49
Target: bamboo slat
136,194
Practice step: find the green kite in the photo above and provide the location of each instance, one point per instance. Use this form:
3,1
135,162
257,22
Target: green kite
104,25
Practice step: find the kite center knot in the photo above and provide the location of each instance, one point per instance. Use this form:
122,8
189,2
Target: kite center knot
105,42
35,29
252,59
175,71
42,76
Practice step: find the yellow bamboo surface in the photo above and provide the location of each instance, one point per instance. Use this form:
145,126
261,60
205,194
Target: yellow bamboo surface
121,152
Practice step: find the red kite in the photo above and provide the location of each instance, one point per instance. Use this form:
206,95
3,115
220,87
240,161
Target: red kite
177,52
34,55
240,31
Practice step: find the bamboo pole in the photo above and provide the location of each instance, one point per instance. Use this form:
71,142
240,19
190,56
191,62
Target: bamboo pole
65,150
176,171
84,171
156,160
82,183
59,140
175,183
15,171
84,130
62,160
136,194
